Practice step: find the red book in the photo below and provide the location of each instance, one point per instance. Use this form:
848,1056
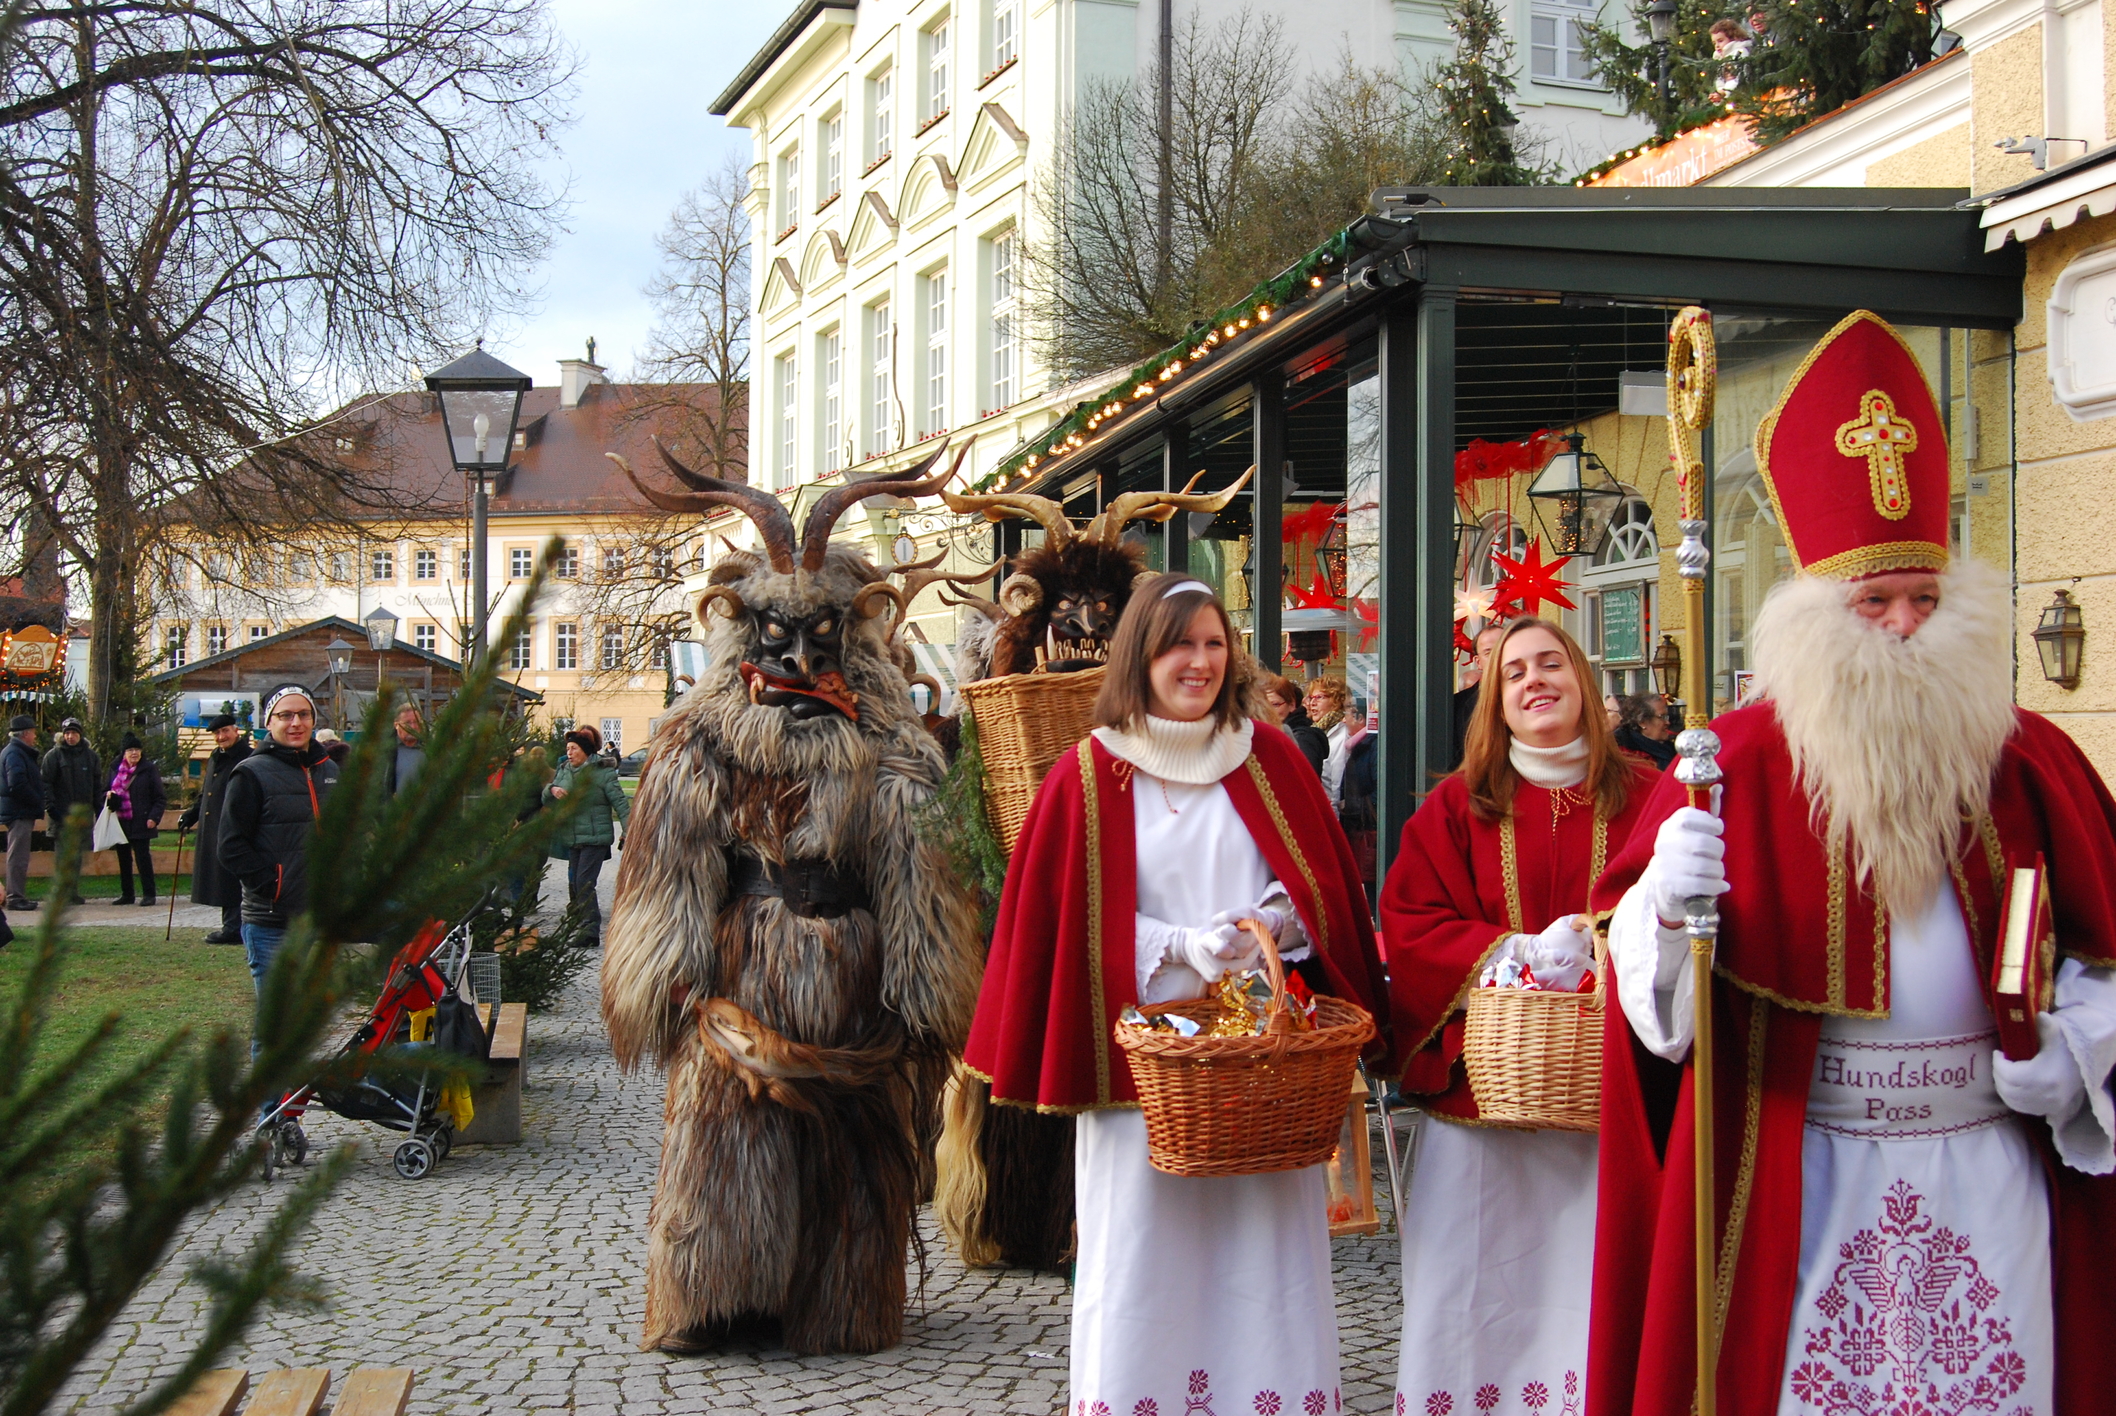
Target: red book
2022,978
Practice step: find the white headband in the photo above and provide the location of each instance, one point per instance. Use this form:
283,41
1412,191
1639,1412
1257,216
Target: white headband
1182,586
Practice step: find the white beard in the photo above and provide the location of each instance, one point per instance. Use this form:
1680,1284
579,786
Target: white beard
1895,740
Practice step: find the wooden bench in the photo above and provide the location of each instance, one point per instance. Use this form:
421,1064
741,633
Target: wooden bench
497,1100
368,1391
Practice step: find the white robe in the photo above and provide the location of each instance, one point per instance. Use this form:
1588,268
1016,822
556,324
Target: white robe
1925,1219
1195,1295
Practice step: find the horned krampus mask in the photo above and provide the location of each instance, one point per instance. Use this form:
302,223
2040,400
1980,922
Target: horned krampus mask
1062,603
802,623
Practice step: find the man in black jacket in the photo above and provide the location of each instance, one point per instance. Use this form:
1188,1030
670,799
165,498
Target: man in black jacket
21,803
268,813
73,776
211,882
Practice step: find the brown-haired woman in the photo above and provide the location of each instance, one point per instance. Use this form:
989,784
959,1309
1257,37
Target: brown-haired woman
1146,842
1492,878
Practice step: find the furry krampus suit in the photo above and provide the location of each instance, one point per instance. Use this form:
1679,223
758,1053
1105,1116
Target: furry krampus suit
787,945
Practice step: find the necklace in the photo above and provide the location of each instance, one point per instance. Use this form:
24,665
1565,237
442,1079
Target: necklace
1563,800
1166,800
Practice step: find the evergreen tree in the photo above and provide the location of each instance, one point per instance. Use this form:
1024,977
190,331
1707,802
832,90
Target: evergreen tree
96,1184
1473,89
1815,56
1632,71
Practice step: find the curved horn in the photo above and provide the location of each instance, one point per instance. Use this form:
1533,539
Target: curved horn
773,523
919,574
815,533
719,594
998,506
1159,506
976,602
932,686
866,600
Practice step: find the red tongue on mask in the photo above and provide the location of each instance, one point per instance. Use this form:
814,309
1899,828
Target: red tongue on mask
830,687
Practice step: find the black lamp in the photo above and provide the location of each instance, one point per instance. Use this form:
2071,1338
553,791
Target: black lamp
1660,20
2060,638
381,626
1668,668
340,655
481,402
1574,498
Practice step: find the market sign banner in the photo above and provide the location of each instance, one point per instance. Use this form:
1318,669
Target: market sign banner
31,651
1684,160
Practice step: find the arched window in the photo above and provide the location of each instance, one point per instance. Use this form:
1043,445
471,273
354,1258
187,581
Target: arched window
1631,537
1620,599
1502,535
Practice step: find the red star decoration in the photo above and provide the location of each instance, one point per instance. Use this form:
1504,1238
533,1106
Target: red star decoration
1311,522
1531,581
1464,645
1369,613
1317,596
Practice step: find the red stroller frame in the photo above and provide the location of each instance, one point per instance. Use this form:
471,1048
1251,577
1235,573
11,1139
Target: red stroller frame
423,972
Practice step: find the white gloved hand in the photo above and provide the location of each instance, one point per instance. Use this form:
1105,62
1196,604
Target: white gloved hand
1558,956
1276,913
2047,1084
1215,951
1689,859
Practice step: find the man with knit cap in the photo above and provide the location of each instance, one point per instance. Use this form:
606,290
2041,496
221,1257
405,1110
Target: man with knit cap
1905,1220
274,797
21,803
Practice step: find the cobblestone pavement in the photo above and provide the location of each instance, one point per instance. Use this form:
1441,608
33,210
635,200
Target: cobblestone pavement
510,1278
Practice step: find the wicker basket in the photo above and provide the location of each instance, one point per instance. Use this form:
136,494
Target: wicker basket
1246,1105
1024,722
1535,1058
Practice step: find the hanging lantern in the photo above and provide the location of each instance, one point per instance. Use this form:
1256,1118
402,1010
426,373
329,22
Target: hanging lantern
2061,638
1574,499
1668,668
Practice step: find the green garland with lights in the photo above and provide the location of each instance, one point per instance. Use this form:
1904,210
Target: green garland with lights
1202,341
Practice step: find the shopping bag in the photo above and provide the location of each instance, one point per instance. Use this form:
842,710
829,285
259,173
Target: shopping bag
110,830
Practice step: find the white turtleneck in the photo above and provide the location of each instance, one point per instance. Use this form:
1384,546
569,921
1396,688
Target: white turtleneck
1197,753
1550,767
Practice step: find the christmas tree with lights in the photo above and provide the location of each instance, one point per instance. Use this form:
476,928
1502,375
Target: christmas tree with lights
1474,86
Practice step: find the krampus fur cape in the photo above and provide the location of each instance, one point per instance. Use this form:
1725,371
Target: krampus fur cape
790,949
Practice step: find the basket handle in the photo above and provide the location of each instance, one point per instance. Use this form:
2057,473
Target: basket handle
1280,1019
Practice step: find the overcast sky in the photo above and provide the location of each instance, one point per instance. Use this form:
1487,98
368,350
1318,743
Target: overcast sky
649,70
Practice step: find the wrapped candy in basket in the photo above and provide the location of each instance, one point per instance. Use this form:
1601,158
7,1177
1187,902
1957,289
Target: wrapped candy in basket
1247,1080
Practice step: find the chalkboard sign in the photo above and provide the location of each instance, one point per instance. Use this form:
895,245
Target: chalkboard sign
1624,625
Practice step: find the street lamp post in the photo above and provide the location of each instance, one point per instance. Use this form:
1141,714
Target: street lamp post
481,402
340,655
1660,22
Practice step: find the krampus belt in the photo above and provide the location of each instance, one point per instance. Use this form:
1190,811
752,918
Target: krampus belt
768,1062
812,888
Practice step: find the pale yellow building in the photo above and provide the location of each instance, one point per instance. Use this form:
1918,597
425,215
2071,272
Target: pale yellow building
597,649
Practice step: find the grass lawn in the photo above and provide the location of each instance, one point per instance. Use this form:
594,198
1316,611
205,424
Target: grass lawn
157,987
105,887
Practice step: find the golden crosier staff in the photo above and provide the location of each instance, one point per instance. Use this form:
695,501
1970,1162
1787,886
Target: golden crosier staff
1693,371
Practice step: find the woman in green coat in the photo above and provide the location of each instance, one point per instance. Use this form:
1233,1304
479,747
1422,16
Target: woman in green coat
585,840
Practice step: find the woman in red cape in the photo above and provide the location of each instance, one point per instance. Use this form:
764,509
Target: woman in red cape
1491,880
1146,842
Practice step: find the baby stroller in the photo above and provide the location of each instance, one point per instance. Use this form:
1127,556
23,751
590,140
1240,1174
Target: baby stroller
429,972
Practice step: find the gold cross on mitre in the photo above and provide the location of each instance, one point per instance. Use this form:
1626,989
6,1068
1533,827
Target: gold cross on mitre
1883,437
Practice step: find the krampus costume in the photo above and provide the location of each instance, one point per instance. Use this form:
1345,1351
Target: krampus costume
787,945
1005,1193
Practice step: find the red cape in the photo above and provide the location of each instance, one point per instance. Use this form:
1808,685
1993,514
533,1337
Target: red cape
1061,967
1797,942
1461,885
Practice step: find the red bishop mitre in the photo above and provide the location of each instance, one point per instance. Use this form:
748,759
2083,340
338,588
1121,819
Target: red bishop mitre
1855,456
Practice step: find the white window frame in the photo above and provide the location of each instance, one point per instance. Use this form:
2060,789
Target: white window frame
567,565
1006,333
1556,54
936,42
565,645
521,563
176,646
789,191
786,382
340,569
382,565
881,120
463,563
613,562
427,637
933,371
522,653
831,181
881,381
216,639
425,565
1006,34
612,655
260,631
830,400
613,734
